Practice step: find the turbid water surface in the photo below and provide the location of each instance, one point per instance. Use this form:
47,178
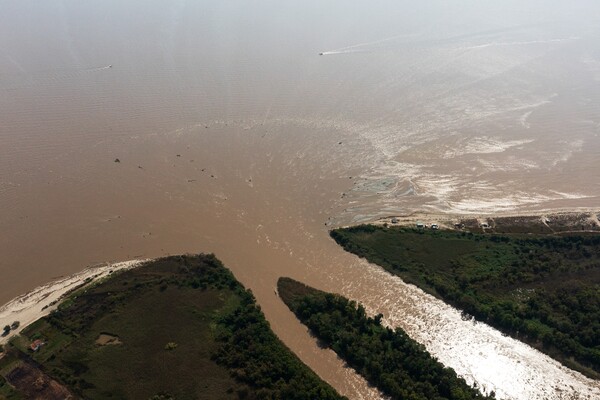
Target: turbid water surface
234,136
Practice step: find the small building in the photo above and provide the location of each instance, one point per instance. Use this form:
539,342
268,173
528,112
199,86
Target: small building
394,220
435,226
484,225
36,344
420,225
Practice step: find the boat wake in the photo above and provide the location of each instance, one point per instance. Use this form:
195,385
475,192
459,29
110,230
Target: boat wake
98,68
359,47
334,52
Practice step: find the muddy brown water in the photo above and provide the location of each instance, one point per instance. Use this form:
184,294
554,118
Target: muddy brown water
235,136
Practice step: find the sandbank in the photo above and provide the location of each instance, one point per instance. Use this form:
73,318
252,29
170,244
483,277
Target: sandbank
42,300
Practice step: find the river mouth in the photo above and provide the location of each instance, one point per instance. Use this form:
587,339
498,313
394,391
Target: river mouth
265,219
234,140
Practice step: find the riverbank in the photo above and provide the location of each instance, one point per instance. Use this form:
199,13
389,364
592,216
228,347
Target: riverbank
493,359
548,222
535,278
42,300
31,306
388,358
198,307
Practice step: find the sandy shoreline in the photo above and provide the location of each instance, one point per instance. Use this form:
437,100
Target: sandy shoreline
40,301
571,218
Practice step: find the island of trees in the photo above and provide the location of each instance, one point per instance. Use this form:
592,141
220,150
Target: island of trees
542,289
389,359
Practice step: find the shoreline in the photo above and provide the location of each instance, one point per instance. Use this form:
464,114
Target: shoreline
556,221
41,301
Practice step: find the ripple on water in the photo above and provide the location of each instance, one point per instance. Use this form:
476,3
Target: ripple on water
479,353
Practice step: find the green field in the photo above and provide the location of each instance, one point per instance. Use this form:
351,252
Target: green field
390,360
542,289
181,328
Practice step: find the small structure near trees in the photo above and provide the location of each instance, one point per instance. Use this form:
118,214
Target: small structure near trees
36,345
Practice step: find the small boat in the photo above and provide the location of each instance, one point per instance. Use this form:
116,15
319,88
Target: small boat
110,66
321,54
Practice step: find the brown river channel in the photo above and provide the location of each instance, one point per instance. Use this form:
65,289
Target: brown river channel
143,128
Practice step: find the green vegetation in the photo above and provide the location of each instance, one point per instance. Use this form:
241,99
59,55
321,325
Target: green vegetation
171,346
7,363
542,289
390,360
6,391
177,328
248,347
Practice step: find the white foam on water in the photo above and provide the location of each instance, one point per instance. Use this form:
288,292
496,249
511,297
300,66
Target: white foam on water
495,362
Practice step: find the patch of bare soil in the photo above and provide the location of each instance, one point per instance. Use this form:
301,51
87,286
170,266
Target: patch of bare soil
106,339
35,384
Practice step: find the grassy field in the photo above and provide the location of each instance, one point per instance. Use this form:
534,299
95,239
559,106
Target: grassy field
171,323
543,289
141,366
390,360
